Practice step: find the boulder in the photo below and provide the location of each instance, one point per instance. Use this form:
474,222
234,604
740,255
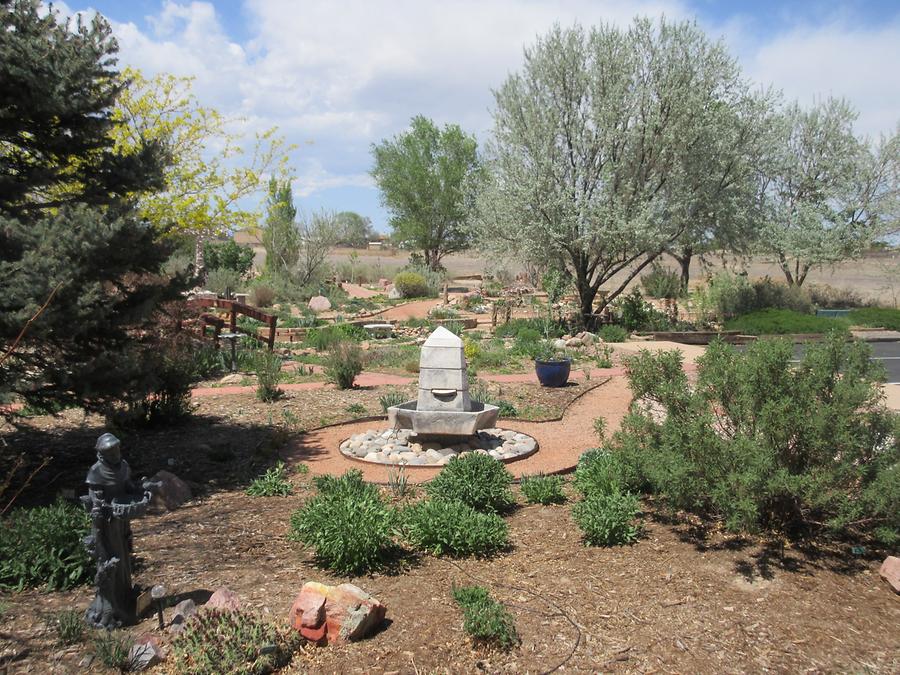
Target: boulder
319,303
559,344
146,652
890,572
171,494
587,339
224,599
184,610
384,283
393,293
332,614
574,342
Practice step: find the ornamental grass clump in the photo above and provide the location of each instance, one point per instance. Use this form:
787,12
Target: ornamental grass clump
487,621
348,524
268,373
343,363
541,489
453,528
477,480
43,546
216,641
763,443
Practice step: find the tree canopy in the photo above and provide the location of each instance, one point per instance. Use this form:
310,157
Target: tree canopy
601,149
829,194
68,227
353,230
423,174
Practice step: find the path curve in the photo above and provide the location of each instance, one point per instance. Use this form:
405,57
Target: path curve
560,442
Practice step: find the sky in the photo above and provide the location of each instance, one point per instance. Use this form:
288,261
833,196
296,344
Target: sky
336,76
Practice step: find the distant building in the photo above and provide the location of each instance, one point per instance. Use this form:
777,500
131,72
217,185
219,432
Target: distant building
252,239
376,245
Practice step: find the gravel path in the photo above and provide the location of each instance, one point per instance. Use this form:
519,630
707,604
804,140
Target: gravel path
357,291
560,443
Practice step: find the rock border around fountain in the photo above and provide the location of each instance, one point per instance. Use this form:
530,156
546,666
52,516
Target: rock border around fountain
403,447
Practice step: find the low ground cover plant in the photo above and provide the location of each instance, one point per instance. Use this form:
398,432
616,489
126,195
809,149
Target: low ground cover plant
612,333
216,641
541,489
273,483
783,322
324,338
344,362
69,626
764,444
875,317
348,524
480,481
43,547
452,528
487,621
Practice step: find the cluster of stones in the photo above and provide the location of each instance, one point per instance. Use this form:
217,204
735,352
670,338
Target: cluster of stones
402,446
578,341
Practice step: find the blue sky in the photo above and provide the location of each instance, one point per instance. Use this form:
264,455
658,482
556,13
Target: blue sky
338,75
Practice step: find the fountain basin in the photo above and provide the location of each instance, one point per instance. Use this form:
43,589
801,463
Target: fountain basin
443,422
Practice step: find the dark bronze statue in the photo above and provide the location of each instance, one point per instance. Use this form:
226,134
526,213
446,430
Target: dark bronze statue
113,499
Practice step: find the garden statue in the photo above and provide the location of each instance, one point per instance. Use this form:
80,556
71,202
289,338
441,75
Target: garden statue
113,499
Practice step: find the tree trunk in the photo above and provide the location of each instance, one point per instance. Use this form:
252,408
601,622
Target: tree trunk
685,261
199,259
586,296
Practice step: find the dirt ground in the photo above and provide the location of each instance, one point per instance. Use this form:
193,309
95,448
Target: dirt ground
682,599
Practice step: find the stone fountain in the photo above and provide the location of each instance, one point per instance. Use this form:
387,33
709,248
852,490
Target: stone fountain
444,407
443,421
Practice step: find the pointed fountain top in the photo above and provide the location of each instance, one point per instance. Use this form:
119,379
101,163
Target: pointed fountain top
441,337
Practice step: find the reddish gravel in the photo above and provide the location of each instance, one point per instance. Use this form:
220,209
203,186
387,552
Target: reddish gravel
560,443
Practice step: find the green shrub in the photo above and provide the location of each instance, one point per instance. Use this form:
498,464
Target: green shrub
324,338
512,327
273,483
484,619
453,528
478,480
728,296
208,362
343,363
607,519
228,255
165,398
660,282
829,297
216,641
602,472
766,444
268,373
637,314
221,281
69,626
542,489
876,317
784,322
411,285
612,333
43,546
347,523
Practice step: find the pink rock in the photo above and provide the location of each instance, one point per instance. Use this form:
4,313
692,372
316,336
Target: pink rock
171,494
384,283
224,599
329,614
146,652
184,610
319,303
890,572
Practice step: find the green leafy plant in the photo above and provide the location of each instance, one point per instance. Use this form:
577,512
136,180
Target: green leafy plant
324,338
783,322
484,619
223,280
391,399
541,489
357,409
112,649
601,472
477,480
607,519
660,282
879,317
343,363
228,255
453,528
766,444
411,285
273,483
612,333
347,523
268,373
600,428
69,626
43,546
216,641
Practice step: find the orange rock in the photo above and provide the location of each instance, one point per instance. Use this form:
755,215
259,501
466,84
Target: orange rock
329,614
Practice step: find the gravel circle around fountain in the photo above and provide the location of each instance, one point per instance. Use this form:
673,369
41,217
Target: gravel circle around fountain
403,446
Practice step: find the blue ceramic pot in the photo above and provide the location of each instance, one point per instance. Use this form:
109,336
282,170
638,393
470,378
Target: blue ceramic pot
553,373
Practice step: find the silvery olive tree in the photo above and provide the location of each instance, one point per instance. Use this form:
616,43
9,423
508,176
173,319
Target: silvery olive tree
829,193
601,145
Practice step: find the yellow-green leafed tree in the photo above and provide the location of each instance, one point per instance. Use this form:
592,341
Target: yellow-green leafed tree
209,169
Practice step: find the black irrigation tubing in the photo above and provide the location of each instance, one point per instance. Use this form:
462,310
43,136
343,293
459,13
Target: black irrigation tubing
560,611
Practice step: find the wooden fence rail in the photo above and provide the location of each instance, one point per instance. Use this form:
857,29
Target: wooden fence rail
234,308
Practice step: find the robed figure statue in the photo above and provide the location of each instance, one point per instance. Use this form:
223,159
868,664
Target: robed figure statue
113,499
